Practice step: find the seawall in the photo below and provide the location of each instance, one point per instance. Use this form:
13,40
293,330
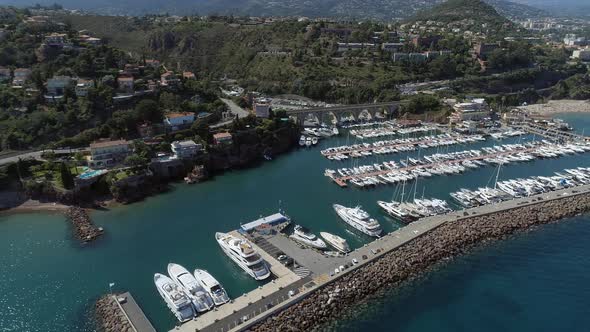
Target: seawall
413,258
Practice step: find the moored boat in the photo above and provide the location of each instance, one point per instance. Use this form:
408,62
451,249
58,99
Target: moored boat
211,286
242,253
304,236
336,241
191,287
178,302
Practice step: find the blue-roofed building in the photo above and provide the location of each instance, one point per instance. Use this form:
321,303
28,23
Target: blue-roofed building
272,220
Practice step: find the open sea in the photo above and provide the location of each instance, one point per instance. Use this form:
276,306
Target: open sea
536,281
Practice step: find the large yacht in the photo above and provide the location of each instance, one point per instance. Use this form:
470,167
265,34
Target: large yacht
243,254
200,298
395,210
175,298
359,219
212,286
303,235
336,241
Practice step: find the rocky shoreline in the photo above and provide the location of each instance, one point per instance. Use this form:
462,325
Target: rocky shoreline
413,259
84,229
110,317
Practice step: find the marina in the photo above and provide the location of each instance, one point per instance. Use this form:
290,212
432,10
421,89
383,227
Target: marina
182,236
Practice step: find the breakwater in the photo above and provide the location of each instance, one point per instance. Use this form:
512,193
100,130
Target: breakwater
84,229
110,317
414,258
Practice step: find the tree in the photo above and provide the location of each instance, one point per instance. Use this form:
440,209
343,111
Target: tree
135,160
148,110
66,177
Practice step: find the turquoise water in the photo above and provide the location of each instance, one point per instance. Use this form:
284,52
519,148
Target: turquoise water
52,281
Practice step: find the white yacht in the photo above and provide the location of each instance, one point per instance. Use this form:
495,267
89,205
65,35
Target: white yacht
336,241
200,298
359,219
212,286
175,298
303,235
243,254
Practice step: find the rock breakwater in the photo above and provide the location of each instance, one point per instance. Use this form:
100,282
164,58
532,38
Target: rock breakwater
84,229
414,258
110,317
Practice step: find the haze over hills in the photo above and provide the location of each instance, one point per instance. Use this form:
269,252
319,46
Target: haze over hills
352,9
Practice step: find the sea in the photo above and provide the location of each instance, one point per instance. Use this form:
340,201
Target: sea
535,281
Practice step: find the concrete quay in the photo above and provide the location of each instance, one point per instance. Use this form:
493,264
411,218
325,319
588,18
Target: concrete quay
254,306
250,304
133,312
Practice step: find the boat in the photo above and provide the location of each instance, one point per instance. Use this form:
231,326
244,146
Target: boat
178,302
308,142
302,140
243,254
336,241
314,140
304,236
358,219
211,286
191,287
335,131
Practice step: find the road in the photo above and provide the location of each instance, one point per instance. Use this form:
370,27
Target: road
12,158
235,109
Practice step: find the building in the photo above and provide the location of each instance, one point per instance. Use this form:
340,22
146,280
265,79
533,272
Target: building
222,139
583,54
145,130
474,110
262,109
131,69
21,76
83,86
152,63
169,79
573,40
188,75
392,47
89,40
56,39
57,85
176,121
125,83
344,47
106,153
186,149
5,74
483,50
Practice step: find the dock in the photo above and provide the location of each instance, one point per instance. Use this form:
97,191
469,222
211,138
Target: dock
260,303
392,144
343,179
133,313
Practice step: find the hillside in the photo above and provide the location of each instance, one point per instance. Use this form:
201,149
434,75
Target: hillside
473,15
346,9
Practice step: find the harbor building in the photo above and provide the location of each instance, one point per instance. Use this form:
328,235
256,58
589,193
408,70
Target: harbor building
474,110
107,153
186,149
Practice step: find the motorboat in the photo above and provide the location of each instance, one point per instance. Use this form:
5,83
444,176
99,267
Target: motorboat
242,253
336,241
191,287
304,236
211,286
178,302
359,219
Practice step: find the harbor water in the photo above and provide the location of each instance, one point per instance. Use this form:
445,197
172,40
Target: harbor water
51,282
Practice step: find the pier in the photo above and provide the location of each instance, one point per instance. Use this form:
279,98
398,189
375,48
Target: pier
252,308
551,133
133,312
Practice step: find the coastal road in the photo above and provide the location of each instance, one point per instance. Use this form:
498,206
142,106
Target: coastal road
14,157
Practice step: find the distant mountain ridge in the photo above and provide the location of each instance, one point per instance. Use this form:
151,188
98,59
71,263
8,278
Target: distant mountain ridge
384,10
